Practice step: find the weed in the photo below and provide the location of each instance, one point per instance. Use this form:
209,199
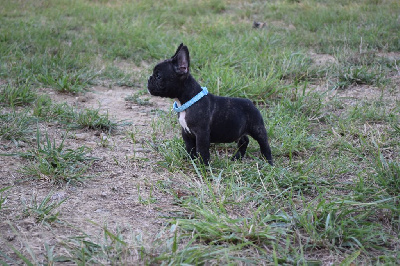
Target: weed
3,198
387,173
343,224
150,199
132,135
44,211
54,163
92,119
135,98
46,110
65,83
371,111
215,227
66,114
359,76
16,126
42,106
396,128
111,248
18,95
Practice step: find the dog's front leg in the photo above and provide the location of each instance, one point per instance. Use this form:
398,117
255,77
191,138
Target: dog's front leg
203,146
190,144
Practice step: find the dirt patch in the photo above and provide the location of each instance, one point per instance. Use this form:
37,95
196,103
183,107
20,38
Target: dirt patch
356,93
322,59
113,101
393,56
123,192
360,92
276,24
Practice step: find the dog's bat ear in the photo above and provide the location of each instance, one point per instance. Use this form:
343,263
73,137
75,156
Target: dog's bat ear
177,50
181,60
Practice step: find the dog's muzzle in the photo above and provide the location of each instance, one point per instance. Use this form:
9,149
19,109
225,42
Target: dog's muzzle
152,86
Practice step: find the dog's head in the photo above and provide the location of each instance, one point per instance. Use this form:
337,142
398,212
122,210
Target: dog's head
168,76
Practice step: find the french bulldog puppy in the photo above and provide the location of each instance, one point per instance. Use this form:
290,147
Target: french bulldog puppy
209,118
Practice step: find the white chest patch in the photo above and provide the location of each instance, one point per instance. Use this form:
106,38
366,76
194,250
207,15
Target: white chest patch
182,118
182,121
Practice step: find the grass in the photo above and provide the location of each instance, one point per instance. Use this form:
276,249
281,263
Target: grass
109,248
135,98
3,196
67,83
359,76
55,163
44,211
332,196
17,95
73,118
16,126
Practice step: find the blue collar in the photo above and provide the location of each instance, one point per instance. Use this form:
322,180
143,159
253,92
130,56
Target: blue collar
191,101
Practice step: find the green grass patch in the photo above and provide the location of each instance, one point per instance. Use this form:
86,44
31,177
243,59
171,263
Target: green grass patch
18,95
73,118
16,125
55,163
44,211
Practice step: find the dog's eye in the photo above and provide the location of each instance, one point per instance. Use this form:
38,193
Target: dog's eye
158,76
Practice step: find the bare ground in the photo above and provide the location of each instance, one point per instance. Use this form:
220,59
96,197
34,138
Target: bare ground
118,195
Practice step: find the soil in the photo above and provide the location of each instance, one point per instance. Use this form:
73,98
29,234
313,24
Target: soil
322,59
122,193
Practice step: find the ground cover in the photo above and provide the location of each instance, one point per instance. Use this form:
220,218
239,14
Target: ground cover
93,169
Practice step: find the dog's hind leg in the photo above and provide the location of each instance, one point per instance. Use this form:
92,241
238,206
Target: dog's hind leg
242,144
260,135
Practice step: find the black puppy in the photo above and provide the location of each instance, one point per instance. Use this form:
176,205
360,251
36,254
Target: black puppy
206,118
